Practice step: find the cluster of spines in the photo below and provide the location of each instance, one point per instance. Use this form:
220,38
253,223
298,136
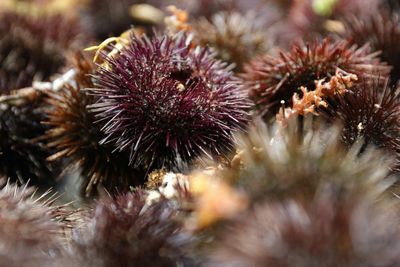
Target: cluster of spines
236,37
74,136
369,114
127,231
270,80
32,227
382,32
30,50
290,197
163,101
22,149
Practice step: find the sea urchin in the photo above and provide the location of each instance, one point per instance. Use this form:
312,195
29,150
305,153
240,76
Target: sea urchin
270,80
33,48
75,137
370,115
164,101
124,231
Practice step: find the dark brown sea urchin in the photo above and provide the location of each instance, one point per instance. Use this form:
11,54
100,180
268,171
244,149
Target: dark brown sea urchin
75,137
23,152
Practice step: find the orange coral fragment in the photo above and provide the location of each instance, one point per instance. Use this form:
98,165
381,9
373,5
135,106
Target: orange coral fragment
338,84
310,100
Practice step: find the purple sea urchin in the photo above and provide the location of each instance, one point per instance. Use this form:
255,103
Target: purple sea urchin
164,101
125,232
269,80
75,136
30,229
382,32
32,48
370,114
